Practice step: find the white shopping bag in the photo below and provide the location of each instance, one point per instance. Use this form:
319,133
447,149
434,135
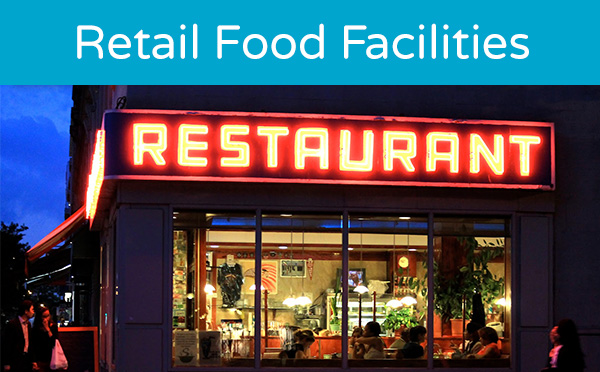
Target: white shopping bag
58,361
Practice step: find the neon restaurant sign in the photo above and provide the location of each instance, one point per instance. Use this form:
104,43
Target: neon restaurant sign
312,148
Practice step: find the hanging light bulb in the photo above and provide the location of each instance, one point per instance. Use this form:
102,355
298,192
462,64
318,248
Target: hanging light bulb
303,300
253,287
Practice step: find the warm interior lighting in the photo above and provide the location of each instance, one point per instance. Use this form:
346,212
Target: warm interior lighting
361,289
394,303
303,301
253,287
408,301
209,288
290,301
501,302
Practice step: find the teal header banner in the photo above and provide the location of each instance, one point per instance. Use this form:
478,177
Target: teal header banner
308,42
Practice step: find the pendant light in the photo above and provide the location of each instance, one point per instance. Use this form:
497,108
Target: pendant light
394,303
291,301
303,300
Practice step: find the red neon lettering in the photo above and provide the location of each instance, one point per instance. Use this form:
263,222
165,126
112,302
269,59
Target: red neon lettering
525,143
186,145
390,153
302,152
155,149
96,177
242,148
480,149
364,165
272,134
433,155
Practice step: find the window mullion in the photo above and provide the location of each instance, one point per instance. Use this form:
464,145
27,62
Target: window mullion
257,293
430,286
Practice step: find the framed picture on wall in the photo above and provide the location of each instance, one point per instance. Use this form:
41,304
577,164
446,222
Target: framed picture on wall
356,277
293,268
268,272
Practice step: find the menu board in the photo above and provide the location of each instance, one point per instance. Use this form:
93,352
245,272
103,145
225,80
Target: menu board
186,348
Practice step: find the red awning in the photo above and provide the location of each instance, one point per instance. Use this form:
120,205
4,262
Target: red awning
58,235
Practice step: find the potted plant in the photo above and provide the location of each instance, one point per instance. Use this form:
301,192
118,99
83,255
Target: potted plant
397,319
456,282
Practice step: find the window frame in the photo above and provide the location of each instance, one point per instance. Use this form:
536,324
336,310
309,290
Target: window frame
345,213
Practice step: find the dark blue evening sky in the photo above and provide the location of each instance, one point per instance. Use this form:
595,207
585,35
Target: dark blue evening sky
34,151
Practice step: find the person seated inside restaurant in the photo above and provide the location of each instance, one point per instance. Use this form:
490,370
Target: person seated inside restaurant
402,341
489,342
472,342
372,343
413,348
357,350
303,339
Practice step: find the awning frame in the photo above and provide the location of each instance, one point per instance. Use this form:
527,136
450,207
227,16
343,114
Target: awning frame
61,233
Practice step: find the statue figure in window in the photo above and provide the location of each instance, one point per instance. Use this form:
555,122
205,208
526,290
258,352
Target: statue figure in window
230,280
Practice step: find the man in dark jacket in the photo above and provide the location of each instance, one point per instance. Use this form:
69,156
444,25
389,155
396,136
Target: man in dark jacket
15,341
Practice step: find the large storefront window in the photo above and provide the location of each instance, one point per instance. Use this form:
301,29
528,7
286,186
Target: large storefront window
386,283
305,301
306,252
213,296
471,295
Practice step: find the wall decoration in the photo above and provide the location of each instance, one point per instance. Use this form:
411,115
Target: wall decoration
269,275
293,268
310,264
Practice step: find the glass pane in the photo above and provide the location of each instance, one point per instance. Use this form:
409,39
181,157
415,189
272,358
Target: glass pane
387,279
301,259
213,306
471,292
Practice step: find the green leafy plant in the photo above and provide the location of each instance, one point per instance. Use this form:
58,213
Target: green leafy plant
335,319
473,277
396,318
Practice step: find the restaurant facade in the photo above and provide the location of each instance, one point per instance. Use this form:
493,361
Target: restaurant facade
232,217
